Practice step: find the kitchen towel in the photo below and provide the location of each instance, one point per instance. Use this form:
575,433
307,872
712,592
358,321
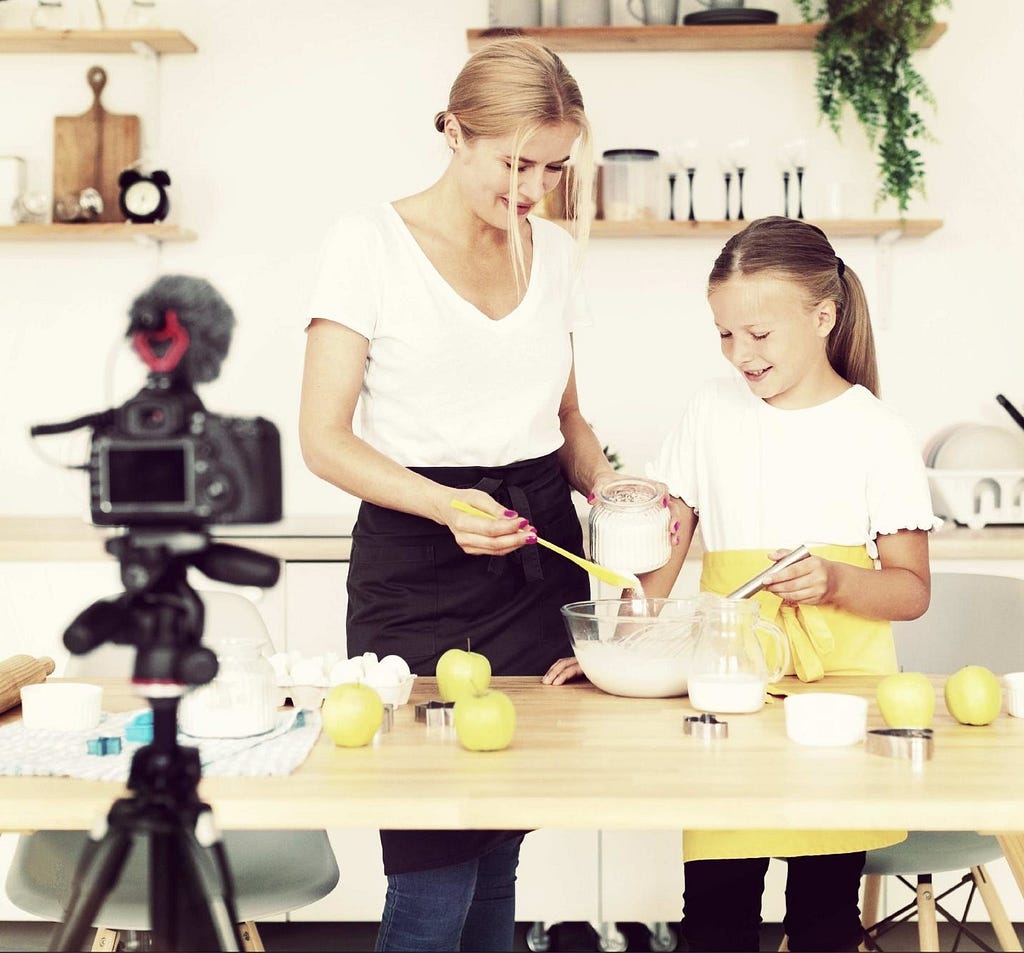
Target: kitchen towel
63,753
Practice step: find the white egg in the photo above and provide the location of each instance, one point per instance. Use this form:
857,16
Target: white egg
382,676
346,670
369,660
309,672
396,664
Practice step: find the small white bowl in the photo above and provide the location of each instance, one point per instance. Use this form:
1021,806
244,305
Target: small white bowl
61,706
1015,693
395,694
826,719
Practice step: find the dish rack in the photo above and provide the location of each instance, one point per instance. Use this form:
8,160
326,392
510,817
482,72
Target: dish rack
978,498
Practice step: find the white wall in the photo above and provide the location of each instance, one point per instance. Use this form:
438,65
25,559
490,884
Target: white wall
293,113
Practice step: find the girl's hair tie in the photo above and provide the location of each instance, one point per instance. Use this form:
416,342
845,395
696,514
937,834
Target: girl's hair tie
840,266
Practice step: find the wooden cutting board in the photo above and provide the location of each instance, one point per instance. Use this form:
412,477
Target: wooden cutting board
93,149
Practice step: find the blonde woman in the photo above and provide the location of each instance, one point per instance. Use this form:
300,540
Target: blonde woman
448,317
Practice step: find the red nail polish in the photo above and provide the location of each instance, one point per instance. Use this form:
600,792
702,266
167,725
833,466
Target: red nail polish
664,501
510,514
531,539
523,524
591,498
675,526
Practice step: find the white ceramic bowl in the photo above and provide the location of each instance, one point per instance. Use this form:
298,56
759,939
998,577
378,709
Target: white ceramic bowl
61,706
1015,693
639,656
826,719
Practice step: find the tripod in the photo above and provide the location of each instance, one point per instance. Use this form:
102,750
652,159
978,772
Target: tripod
191,896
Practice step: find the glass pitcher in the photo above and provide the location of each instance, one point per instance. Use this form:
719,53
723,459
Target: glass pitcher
729,672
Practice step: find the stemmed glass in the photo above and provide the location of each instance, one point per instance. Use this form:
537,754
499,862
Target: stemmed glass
725,162
688,157
794,156
674,163
737,155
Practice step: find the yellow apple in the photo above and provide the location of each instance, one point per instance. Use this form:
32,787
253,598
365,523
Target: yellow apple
460,672
974,695
352,713
906,700
485,722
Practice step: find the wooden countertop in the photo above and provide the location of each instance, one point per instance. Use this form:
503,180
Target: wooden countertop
328,539
585,759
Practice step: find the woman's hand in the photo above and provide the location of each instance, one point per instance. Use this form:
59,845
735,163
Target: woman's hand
501,532
564,670
809,582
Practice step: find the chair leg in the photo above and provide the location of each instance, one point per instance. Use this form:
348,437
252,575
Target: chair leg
927,923
105,940
251,939
869,906
1001,924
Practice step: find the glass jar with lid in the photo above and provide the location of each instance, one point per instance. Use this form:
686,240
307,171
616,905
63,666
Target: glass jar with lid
629,527
241,700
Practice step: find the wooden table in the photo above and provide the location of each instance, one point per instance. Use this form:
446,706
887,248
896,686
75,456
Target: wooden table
585,759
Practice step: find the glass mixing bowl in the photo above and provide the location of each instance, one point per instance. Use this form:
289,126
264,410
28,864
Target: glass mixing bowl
640,648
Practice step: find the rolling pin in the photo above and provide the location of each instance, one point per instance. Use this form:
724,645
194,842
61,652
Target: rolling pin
19,670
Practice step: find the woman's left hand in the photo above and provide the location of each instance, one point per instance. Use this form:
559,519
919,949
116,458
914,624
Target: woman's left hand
564,670
809,582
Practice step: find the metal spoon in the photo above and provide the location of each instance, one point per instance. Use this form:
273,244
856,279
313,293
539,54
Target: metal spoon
758,582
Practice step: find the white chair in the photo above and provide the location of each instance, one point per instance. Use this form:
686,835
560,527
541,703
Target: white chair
273,871
973,619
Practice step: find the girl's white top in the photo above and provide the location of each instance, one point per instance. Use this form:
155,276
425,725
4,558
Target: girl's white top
759,477
444,384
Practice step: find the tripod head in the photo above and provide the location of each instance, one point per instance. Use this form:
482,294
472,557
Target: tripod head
159,612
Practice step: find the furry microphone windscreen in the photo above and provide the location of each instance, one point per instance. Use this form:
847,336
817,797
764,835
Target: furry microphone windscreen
202,312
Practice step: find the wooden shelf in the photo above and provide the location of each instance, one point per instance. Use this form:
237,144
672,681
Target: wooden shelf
99,232
834,228
603,39
94,41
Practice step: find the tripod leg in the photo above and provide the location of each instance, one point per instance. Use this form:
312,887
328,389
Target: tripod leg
96,875
204,858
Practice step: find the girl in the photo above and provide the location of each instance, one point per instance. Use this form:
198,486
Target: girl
449,314
796,449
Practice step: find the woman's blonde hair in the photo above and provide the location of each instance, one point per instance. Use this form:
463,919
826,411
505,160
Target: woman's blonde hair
514,86
800,252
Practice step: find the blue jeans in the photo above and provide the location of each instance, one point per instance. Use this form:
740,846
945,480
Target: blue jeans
468,906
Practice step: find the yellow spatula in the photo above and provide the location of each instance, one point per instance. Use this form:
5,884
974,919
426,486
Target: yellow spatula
624,580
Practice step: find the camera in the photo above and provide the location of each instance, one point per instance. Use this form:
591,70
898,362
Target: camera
163,459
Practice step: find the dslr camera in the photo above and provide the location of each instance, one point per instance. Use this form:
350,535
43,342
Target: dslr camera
161,458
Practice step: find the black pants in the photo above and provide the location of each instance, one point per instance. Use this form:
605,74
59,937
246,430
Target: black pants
722,903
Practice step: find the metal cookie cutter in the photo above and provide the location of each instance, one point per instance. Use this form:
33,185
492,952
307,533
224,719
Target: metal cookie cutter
705,726
388,722
912,744
436,714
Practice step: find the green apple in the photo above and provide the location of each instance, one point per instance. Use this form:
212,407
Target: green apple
906,700
461,672
974,695
485,722
352,713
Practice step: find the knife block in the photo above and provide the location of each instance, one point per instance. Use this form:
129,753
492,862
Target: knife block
18,671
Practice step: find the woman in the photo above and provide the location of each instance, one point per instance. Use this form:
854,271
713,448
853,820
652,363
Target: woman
448,314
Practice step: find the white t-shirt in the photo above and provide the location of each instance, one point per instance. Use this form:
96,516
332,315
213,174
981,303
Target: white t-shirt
760,477
445,385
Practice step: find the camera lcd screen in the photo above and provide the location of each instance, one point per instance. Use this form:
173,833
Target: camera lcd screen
148,476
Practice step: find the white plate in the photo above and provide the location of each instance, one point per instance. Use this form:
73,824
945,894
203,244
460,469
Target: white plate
980,447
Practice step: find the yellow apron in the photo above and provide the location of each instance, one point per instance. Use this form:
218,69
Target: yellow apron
823,640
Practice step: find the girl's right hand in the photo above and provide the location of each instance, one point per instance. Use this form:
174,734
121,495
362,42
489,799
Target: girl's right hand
498,534
562,671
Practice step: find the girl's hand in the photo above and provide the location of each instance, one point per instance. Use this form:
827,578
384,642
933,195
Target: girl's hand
809,582
564,670
482,535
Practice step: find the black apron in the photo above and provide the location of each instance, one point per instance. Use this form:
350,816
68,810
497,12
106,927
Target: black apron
413,592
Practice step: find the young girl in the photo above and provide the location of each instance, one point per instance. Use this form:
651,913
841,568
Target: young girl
796,449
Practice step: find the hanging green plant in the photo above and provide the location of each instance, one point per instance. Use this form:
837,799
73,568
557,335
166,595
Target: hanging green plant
864,54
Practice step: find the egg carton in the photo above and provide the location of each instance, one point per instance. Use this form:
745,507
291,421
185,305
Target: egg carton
977,498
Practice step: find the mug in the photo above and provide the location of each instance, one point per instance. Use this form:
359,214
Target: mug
514,13
721,4
584,12
656,12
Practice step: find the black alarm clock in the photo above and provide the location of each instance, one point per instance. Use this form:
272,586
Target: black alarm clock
143,198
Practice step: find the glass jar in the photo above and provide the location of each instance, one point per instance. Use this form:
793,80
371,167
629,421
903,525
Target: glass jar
240,701
50,15
629,527
142,15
